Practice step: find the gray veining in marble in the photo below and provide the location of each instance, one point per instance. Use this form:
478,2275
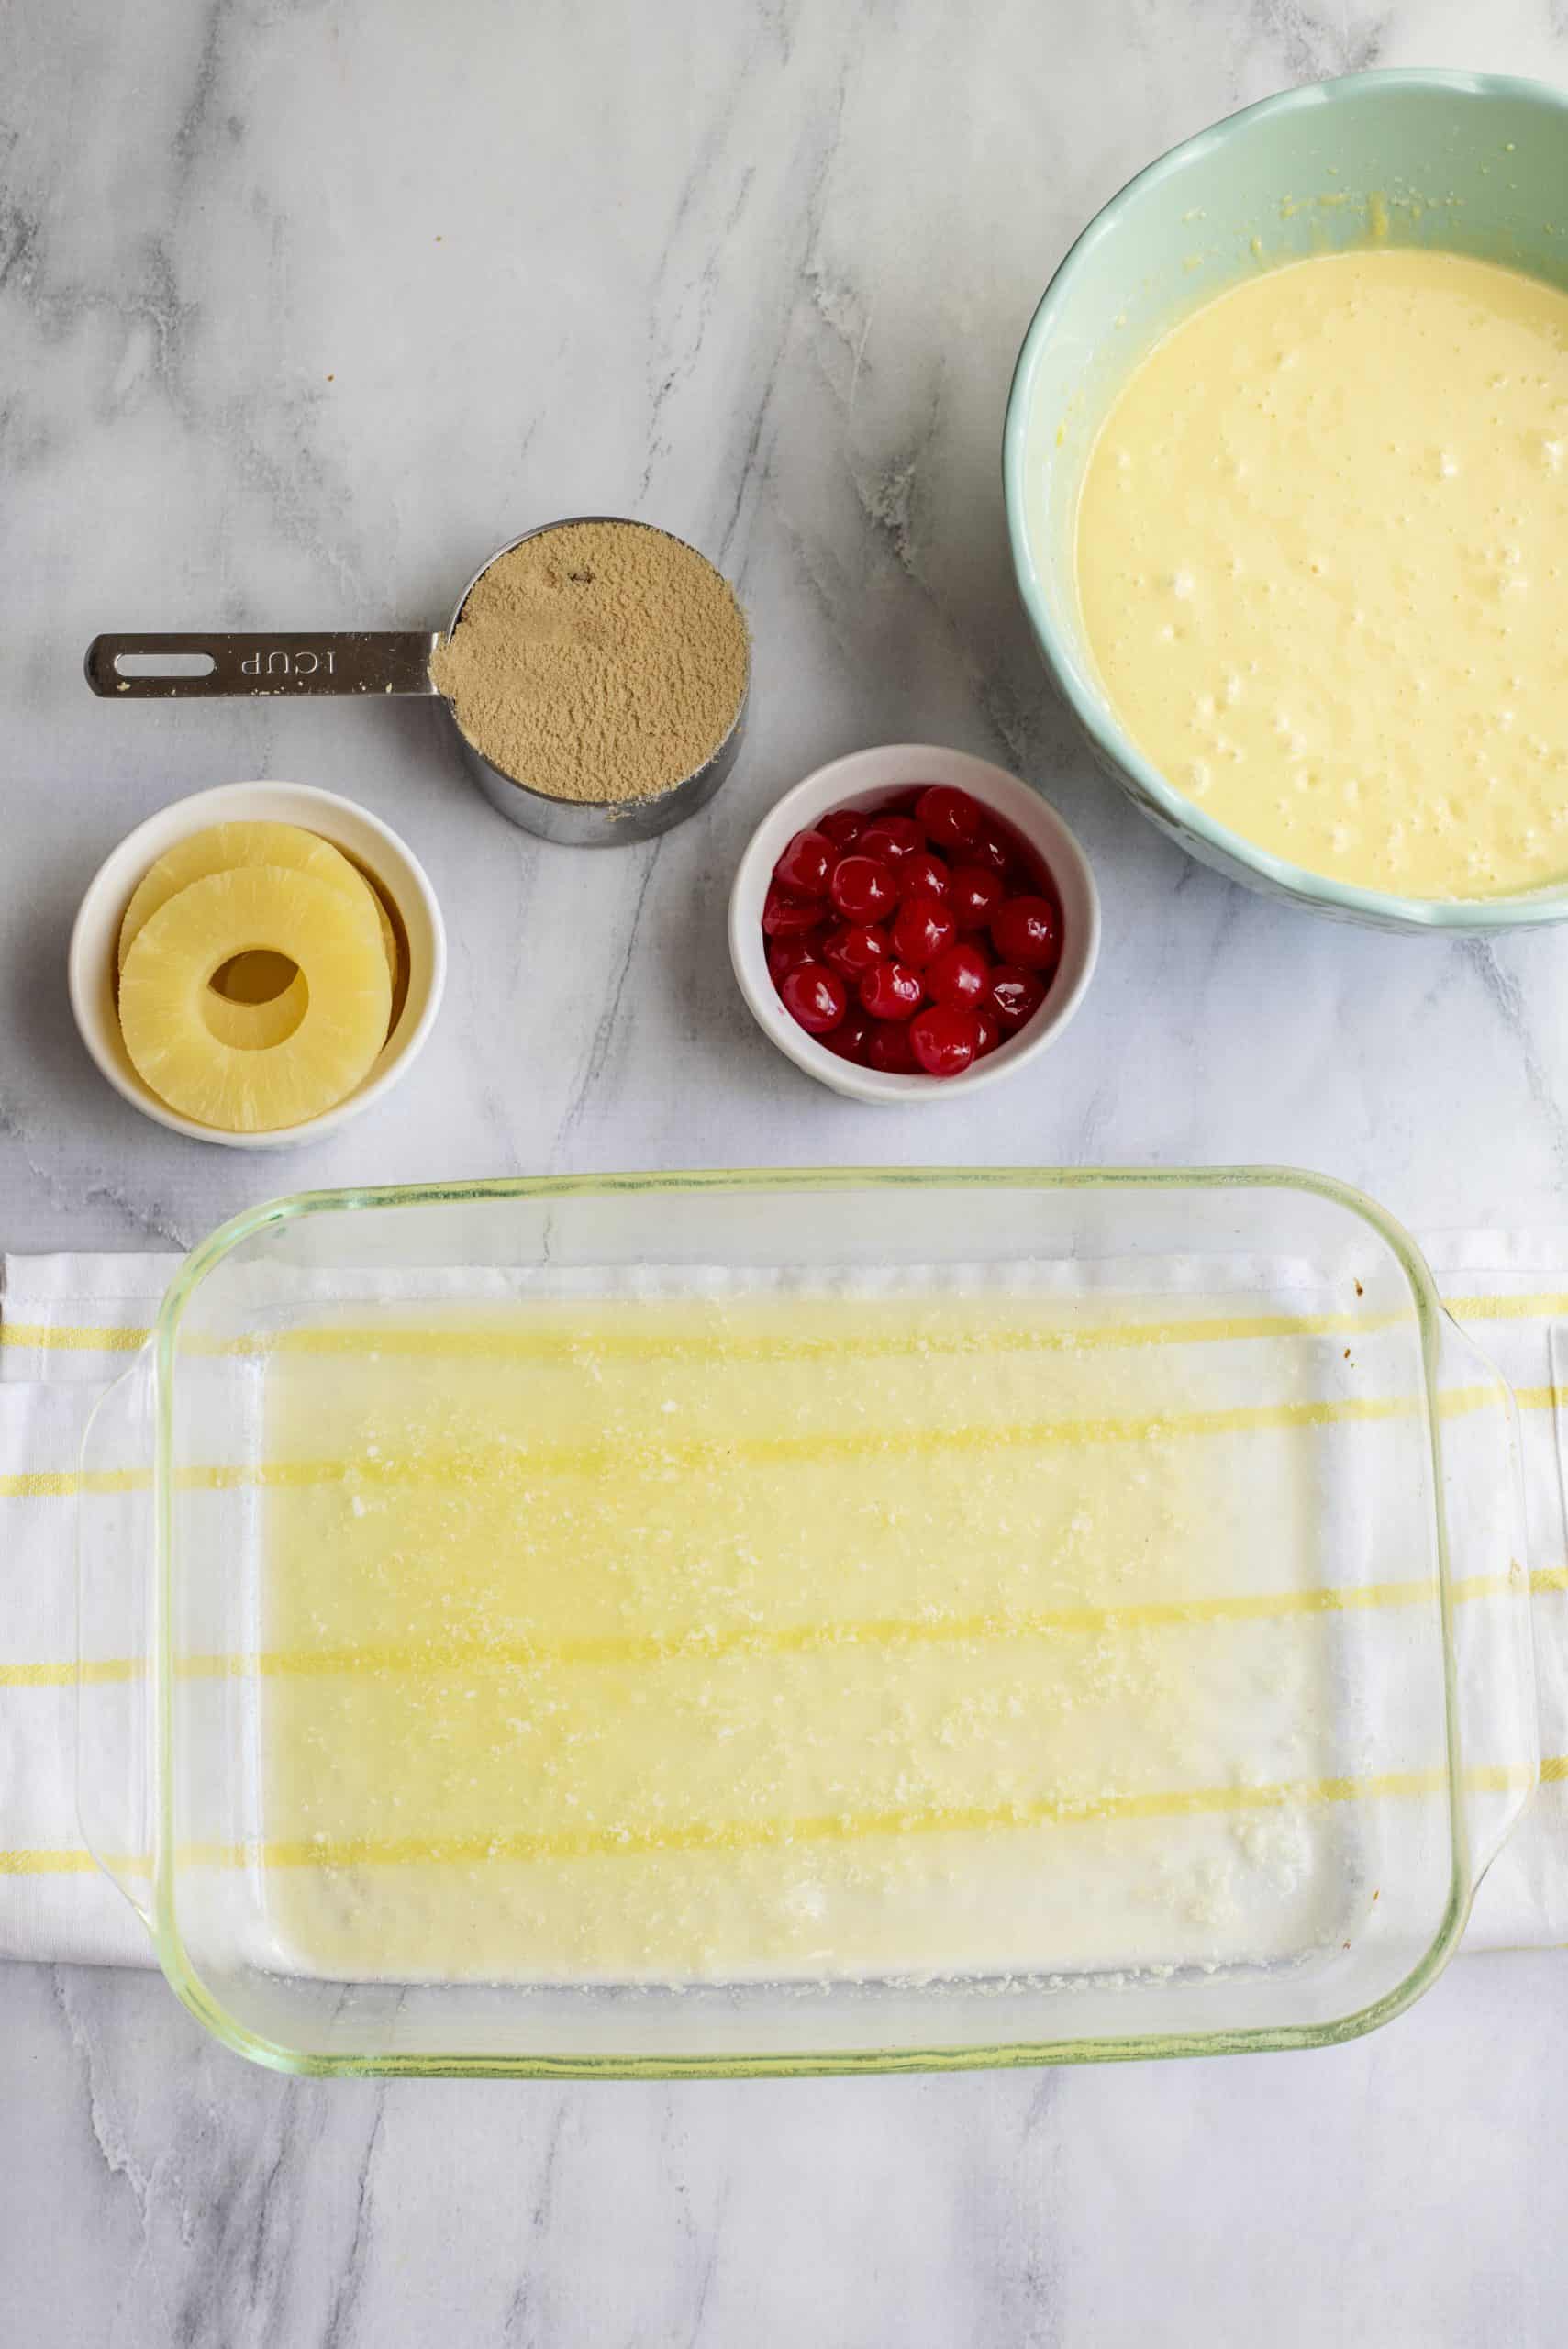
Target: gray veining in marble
303,308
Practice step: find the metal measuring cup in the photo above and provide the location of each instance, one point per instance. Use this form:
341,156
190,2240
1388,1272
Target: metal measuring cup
397,661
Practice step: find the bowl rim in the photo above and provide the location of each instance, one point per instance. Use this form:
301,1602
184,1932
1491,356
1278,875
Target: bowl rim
96,926
1220,844
869,775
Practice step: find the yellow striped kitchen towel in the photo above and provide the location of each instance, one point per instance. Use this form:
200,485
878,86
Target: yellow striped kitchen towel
70,1324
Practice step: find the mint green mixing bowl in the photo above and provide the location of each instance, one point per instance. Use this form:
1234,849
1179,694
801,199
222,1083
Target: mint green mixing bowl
1465,162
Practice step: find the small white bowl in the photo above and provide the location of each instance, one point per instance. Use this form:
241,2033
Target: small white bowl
372,844
866,779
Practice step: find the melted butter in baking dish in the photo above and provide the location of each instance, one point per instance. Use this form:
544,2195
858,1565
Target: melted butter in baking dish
1320,560
812,1637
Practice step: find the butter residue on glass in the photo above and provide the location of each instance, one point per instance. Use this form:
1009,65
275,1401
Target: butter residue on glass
600,662
784,1634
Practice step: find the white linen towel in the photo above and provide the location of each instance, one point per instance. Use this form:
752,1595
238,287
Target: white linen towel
71,1324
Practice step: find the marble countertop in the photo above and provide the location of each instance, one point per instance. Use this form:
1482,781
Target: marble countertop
303,309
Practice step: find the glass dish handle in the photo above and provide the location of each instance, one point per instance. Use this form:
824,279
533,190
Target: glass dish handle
1494,1648
115,1601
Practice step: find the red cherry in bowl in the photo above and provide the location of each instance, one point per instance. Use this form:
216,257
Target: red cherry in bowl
853,948
1027,930
863,888
973,895
923,875
1015,995
960,975
944,1039
892,838
804,867
787,955
787,917
851,1038
922,928
891,991
815,998
889,1049
913,936
950,818
991,850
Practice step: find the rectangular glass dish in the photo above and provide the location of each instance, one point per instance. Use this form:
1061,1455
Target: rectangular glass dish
804,1622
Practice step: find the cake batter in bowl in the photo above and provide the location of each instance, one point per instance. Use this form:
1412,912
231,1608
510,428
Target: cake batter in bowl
1332,333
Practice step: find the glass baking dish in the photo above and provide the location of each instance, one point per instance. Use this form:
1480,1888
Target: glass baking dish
803,1622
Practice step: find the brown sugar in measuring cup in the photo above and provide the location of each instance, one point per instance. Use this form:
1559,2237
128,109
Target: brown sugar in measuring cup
597,671
604,661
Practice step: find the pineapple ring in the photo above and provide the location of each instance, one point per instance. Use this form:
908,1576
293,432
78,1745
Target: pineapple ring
252,1026
219,849
336,944
255,1027
259,977
222,847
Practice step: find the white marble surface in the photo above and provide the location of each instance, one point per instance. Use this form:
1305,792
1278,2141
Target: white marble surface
304,307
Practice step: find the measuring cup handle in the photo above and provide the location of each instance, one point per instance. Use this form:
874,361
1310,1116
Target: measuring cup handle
346,661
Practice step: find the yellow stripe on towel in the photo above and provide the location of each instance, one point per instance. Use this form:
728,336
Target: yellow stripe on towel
108,1338
74,1860
455,1653
727,1835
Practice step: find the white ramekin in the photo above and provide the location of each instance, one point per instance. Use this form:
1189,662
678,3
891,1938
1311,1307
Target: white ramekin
372,844
864,780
